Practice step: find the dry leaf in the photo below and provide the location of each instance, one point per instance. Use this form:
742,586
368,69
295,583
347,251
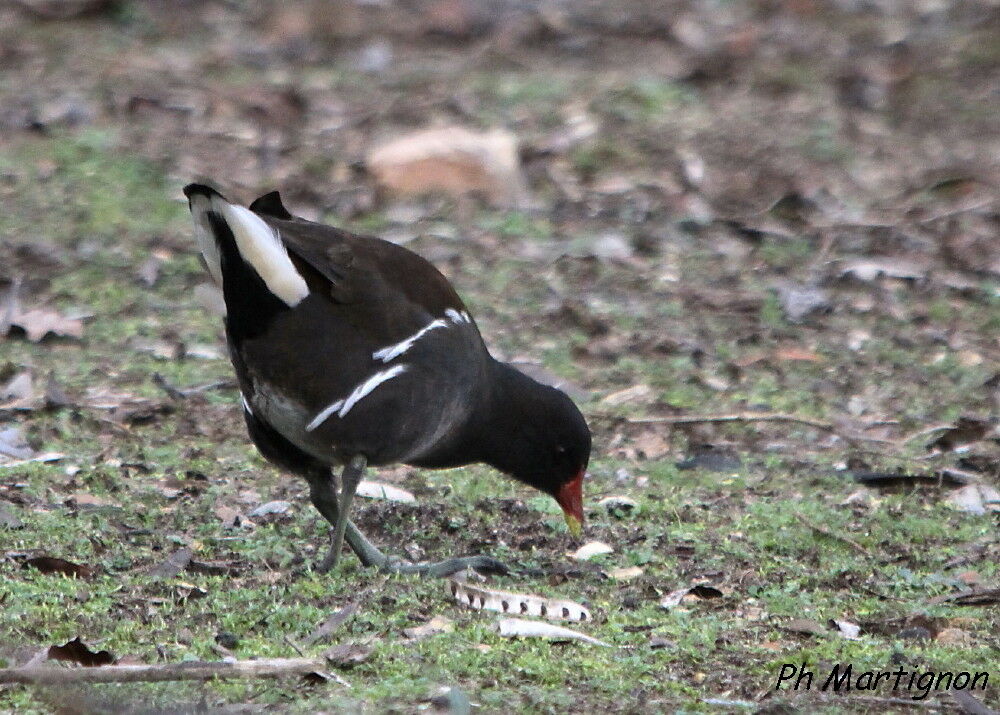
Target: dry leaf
347,654
379,490
82,499
454,161
975,499
805,625
44,457
651,445
618,504
639,394
9,519
590,550
967,430
13,444
76,651
53,565
520,628
696,591
868,269
172,565
626,573
521,603
954,636
979,596
850,631
438,624
269,508
19,393
332,623
229,517
39,322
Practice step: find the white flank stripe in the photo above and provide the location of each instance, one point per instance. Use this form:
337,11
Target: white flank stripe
262,248
457,317
246,405
392,351
342,407
203,234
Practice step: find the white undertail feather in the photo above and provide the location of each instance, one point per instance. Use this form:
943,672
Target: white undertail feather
342,407
262,248
200,206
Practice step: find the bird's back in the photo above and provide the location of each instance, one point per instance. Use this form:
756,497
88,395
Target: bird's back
376,356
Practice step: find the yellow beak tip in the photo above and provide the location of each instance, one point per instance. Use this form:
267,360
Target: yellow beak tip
574,526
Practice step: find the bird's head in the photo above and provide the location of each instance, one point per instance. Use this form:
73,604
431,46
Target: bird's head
549,449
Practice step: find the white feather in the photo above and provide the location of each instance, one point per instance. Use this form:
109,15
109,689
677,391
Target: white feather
392,351
342,407
200,207
261,247
457,317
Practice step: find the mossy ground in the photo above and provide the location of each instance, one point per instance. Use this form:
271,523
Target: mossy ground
695,315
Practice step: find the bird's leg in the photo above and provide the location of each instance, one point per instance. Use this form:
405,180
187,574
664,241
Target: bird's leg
324,498
349,480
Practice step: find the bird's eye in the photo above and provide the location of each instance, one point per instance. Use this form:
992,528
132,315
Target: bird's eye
560,449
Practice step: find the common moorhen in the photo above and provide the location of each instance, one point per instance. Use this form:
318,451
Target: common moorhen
350,350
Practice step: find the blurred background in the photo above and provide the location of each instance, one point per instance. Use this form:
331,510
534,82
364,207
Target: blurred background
669,208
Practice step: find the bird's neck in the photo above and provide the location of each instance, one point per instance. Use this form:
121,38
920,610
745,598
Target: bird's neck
494,417
499,417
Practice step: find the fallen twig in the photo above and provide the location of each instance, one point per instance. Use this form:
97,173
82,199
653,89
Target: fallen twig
202,670
906,439
838,537
735,417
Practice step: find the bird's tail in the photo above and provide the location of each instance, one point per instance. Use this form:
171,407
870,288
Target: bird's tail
259,245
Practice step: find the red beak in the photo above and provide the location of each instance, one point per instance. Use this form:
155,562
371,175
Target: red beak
570,498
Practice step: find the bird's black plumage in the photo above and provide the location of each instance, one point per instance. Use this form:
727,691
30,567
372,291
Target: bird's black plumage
348,347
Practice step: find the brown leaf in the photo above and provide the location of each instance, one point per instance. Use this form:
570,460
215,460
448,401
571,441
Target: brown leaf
954,636
975,498
637,394
791,354
651,445
39,322
52,564
347,654
966,431
172,565
9,519
332,623
55,396
83,499
149,271
689,593
981,596
438,624
13,444
805,625
229,517
76,651
19,393
454,161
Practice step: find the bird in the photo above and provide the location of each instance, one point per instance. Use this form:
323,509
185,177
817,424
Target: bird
353,352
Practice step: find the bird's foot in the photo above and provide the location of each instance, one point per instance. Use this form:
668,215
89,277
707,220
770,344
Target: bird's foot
448,567
328,562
